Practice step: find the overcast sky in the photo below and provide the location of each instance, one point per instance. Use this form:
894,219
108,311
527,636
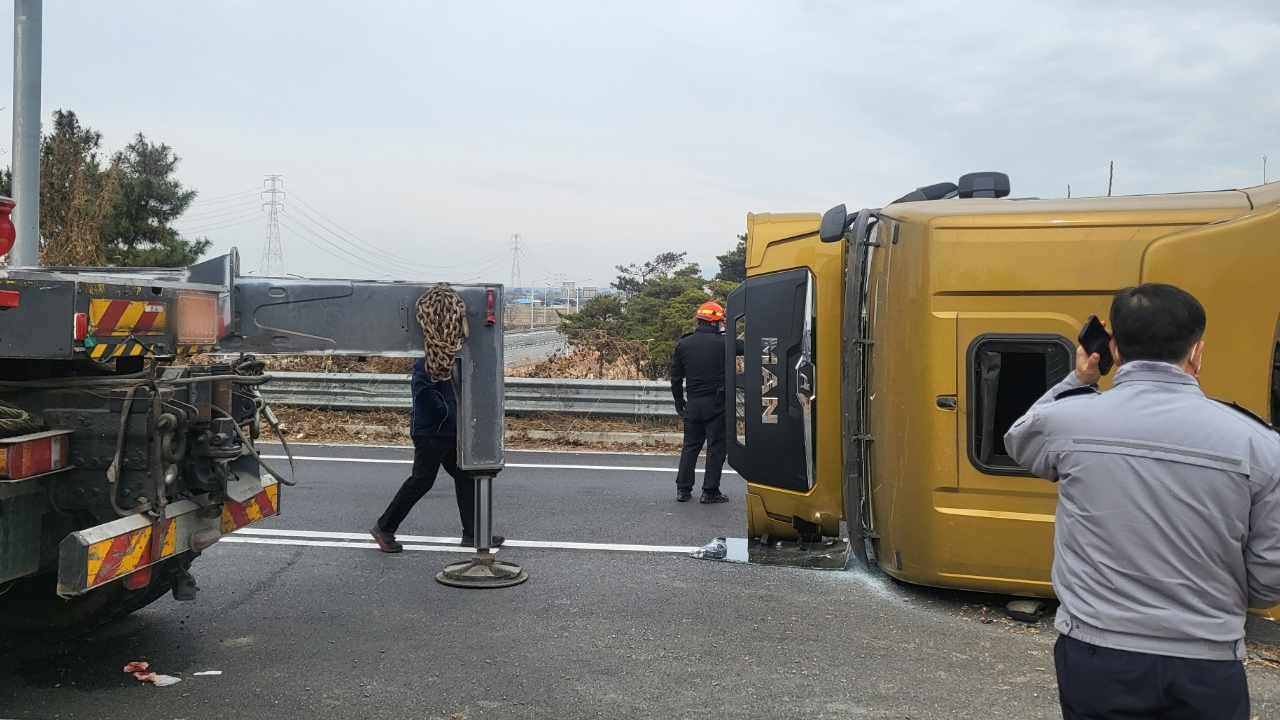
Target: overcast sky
606,132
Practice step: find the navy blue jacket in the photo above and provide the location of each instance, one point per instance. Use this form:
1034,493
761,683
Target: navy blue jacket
435,409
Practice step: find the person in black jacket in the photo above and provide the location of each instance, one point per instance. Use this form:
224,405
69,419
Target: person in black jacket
697,370
433,425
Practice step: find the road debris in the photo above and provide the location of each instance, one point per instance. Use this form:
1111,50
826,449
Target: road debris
1260,654
1027,611
717,549
140,671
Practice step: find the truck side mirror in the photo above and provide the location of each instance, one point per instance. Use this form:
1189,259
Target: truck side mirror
834,223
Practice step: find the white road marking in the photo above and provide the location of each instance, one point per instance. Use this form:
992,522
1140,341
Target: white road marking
318,538
324,535
409,461
334,544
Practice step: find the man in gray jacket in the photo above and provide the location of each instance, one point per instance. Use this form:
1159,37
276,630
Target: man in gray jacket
1168,521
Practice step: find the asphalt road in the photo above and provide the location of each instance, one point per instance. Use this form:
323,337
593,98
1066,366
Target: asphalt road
305,623
531,346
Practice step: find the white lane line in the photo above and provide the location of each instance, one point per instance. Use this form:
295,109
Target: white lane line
344,539
390,461
622,547
324,535
335,544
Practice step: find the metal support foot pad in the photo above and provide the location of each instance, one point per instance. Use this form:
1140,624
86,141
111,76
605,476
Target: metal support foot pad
482,571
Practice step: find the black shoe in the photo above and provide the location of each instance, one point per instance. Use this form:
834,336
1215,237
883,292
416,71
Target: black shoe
469,541
683,496
386,541
714,496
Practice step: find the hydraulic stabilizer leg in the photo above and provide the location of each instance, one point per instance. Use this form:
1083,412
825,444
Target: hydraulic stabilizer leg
482,570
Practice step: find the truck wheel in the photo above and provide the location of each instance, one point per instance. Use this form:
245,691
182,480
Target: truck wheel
31,605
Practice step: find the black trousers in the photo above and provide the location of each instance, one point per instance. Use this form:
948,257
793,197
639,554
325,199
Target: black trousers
703,422
1097,683
429,453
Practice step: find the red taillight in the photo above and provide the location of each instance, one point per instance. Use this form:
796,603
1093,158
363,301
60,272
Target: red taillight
82,327
8,234
8,299
488,313
138,579
36,454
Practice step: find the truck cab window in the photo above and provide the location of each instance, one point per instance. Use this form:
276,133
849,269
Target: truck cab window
1007,374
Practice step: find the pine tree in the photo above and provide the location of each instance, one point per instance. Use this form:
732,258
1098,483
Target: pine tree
733,264
75,194
139,231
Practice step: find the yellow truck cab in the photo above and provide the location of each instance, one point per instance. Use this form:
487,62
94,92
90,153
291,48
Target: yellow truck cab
888,351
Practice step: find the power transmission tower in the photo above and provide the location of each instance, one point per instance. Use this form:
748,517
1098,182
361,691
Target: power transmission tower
517,247
273,200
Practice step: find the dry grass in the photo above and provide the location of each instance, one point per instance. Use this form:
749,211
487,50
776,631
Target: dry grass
378,427
391,428
578,423
1262,655
580,365
318,363
573,365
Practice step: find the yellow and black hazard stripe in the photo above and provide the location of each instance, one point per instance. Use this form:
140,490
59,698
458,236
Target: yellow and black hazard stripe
132,347
193,349
129,348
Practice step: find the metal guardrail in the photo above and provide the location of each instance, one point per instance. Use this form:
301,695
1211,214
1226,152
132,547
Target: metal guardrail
532,338
369,391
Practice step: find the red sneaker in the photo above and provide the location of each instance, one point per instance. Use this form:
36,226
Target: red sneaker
386,541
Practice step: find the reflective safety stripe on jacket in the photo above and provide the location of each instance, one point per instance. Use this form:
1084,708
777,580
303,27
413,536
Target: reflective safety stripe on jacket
1168,520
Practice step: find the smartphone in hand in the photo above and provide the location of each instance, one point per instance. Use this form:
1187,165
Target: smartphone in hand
1094,338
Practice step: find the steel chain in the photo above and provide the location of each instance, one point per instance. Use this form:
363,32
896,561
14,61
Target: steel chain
16,421
443,317
248,366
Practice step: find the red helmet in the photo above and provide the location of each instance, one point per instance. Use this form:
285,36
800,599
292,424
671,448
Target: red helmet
710,311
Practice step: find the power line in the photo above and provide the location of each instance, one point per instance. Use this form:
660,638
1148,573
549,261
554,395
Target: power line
303,236
309,235
374,253
343,233
363,260
488,271
537,264
272,257
221,218
246,204
225,198
346,236
224,226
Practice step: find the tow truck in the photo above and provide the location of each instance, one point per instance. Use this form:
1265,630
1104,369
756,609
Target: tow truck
119,464
889,349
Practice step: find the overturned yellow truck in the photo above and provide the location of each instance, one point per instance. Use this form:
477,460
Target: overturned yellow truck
888,351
